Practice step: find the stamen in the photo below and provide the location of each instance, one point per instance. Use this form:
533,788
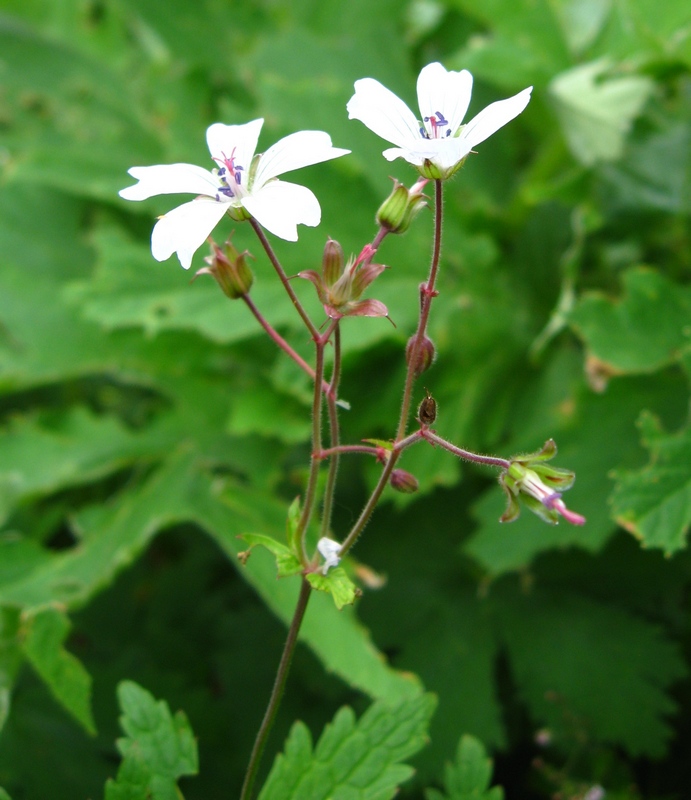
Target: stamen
437,122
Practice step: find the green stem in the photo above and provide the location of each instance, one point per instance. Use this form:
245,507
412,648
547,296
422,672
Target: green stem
277,691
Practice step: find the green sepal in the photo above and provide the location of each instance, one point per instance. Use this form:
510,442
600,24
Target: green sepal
545,453
292,526
379,443
287,562
337,583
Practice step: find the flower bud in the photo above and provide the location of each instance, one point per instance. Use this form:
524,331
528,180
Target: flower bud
230,270
401,207
403,481
424,354
332,262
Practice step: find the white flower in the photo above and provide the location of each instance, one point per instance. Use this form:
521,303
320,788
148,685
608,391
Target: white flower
330,550
242,185
440,142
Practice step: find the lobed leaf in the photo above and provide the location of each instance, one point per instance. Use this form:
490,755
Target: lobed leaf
159,748
643,331
353,760
468,778
654,503
42,635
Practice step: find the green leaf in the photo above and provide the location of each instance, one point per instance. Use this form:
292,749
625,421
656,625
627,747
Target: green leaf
597,110
10,658
654,503
4,795
286,561
337,583
580,424
41,457
589,670
43,634
129,288
115,534
645,330
352,759
159,748
469,777
292,525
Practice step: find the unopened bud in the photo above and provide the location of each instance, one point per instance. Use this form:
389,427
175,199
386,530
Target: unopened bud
332,262
422,357
230,270
401,207
403,481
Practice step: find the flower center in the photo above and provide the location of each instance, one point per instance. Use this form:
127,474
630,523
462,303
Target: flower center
229,176
436,127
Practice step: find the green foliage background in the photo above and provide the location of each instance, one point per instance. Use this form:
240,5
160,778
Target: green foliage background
145,423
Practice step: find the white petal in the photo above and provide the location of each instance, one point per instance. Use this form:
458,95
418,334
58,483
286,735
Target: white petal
329,550
234,141
392,153
184,229
295,151
445,92
169,179
384,113
280,207
495,116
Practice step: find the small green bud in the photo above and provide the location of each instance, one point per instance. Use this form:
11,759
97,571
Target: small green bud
229,269
401,207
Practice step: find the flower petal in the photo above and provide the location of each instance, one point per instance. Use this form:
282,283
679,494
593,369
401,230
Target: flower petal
184,229
280,206
445,92
293,152
329,550
444,153
384,113
495,116
169,179
237,141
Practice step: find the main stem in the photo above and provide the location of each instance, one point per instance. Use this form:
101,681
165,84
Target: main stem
427,293
277,692
331,395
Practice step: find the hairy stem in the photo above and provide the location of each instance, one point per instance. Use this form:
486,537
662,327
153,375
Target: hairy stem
334,431
427,293
466,455
277,691
287,349
283,278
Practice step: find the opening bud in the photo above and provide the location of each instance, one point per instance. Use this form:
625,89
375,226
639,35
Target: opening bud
539,486
403,481
229,269
422,357
402,206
